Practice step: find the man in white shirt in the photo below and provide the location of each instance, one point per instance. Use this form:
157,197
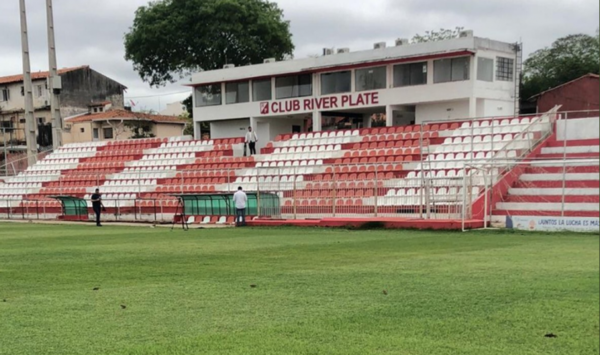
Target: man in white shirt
251,139
240,199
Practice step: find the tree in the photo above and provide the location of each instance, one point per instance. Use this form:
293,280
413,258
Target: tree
567,59
442,34
170,39
140,129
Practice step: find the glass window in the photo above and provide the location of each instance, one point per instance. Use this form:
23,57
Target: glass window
371,78
485,69
410,74
293,86
96,133
505,69
335,83
237,93
108,133
82,130
4,94
261,90
455,69
208,95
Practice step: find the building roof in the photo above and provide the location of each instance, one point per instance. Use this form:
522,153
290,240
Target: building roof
389,55
37,75
590,75
126,115
96,104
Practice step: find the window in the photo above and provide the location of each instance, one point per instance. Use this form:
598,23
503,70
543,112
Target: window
237,93
82,130
505,69
371,78
22,91
108,133
455,69
39,91
261,90
410,74
335,83
96,133
22,121
208,95
293,86
485,69
41,120
6,124
4,94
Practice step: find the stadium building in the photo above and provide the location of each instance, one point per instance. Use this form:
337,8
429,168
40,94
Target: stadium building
385,86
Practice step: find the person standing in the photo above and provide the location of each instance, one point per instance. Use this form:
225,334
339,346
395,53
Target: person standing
240,199
251,139
97,206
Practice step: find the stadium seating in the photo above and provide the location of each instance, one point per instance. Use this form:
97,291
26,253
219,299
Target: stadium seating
388,171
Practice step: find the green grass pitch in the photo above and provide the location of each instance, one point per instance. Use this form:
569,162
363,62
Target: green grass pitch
295,291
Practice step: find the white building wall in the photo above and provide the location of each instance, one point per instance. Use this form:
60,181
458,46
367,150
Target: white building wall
229,129
440,111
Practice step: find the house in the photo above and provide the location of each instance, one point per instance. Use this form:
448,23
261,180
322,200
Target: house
81,86
119,124
391,85
581,94
174,109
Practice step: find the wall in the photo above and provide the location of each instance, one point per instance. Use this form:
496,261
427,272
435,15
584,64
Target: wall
163,130
583,94
439,111
83,86
496,108
229,129
75,135
579,128
173,109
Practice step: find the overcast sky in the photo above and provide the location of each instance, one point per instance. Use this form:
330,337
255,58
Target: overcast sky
90,32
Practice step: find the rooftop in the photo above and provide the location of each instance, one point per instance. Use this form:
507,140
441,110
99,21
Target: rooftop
403,51
37,75
127,116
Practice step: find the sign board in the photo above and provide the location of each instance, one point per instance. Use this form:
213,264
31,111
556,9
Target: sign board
554,224
320,103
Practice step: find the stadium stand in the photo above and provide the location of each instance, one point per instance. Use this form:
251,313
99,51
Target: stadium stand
437,169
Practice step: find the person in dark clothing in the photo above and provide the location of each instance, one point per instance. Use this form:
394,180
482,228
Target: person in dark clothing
97,206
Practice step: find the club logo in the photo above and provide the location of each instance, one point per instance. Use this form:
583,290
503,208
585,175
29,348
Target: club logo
264,108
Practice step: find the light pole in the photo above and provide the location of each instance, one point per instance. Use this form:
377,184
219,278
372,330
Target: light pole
54,82
29,121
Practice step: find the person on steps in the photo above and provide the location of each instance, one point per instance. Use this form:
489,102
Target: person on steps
251,139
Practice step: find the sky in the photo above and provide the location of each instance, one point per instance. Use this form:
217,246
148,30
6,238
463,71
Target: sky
90,32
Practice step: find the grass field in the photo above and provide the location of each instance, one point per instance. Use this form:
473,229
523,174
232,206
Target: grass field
317,292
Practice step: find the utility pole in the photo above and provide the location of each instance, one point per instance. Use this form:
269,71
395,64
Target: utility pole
30,135
54,82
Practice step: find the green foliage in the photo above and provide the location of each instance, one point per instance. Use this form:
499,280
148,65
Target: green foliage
140,129
171,38
317,291
567,59
432,36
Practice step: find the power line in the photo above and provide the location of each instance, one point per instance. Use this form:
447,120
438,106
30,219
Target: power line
159,95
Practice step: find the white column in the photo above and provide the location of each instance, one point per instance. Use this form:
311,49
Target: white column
472,107
253,123
389,115
317,121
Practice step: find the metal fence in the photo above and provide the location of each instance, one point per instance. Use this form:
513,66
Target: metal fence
442,182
